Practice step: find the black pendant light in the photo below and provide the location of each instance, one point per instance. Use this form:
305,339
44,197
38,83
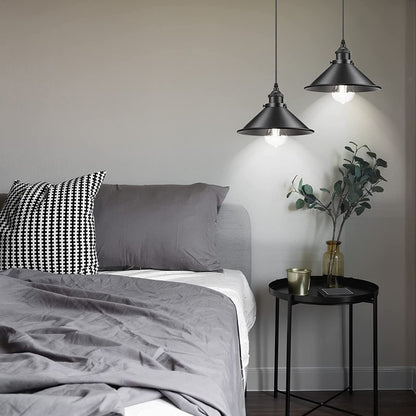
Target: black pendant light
342,78
275,119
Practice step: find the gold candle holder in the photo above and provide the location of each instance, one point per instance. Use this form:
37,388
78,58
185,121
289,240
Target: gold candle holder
299,281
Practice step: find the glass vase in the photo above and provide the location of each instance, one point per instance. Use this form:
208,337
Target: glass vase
333,264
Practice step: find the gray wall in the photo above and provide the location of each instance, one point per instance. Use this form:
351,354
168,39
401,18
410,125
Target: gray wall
154,90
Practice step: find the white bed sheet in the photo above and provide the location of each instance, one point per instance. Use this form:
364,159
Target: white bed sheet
231,283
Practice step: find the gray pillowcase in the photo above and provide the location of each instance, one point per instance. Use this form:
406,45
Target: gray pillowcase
166,227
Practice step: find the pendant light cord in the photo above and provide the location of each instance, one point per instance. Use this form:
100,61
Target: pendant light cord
343,39
275,43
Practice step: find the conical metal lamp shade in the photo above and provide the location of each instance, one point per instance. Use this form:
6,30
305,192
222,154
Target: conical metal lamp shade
275,115
342,72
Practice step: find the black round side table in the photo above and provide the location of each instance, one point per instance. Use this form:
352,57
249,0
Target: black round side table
362,291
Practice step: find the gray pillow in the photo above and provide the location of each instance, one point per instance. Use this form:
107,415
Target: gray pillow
166,227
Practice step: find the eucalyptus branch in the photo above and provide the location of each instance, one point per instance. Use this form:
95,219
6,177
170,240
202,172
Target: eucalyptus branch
360,179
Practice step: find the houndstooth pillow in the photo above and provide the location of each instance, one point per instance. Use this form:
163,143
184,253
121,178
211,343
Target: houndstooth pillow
50,227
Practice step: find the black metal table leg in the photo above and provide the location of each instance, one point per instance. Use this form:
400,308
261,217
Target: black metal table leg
350,347
375,357
276,347
288,352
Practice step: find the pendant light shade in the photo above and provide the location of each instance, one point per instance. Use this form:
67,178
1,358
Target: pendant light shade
342,76
275,116
275,119
342,71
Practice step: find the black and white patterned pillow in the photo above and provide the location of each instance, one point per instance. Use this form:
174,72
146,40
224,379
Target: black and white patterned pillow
50,227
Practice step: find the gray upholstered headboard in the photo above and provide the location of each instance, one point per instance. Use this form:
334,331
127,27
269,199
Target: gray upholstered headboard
233,237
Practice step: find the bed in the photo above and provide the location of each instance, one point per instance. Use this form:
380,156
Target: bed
192,326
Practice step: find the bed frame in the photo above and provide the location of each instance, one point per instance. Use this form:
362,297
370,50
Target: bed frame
234,238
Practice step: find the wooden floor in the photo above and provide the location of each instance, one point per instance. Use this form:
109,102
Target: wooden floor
391,403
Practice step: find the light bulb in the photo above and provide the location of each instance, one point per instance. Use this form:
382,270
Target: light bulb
342,95
274,138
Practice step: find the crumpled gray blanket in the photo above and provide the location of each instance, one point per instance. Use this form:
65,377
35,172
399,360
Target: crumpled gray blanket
92,345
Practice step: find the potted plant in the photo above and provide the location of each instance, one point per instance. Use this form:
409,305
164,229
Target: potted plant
360,180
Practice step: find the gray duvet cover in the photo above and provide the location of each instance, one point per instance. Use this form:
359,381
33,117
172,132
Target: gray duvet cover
91,345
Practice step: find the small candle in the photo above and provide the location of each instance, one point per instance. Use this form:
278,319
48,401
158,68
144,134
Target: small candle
299,281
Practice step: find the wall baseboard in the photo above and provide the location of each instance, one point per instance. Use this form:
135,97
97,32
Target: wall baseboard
333,378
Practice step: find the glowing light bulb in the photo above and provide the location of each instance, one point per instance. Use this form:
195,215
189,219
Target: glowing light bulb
342,95
274,138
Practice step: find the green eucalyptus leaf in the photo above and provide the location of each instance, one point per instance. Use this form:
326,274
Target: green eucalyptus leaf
357,171
355,144
300,203
300,185
377,189
367,170
344,206
349,166
319,208
324,190
307,189
353,197
382,163
349,149
310,198
338,187
365,205
373,178
288,195
379,175
359,210
359,160
372,155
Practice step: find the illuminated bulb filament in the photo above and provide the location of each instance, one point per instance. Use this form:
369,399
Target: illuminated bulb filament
342,95
274,138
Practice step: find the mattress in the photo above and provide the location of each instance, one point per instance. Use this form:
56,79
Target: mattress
231,283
